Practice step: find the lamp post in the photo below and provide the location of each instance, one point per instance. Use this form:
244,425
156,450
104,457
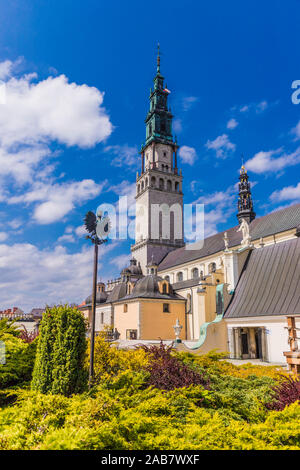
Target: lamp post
99,228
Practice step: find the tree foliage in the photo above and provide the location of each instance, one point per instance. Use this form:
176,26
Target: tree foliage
59,365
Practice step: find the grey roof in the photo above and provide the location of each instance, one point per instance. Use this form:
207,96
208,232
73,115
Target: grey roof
100,298
269,283
187,283
148,287
275,222
118,292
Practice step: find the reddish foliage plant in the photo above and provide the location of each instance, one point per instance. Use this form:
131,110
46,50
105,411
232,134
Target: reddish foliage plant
28,336
286,393
167,372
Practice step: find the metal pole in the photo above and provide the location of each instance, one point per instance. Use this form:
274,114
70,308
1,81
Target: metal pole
91,372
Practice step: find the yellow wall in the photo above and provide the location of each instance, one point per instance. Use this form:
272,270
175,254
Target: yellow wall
147,317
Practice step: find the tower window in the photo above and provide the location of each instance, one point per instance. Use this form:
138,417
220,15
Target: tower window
195,273
163,126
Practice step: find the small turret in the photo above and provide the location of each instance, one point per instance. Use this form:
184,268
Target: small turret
245,203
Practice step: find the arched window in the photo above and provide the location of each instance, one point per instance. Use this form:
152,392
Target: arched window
138,188
179,277
161,183
177,187
212,267
102,317
146,182
195,273
153,181
142,185
163,167
165,291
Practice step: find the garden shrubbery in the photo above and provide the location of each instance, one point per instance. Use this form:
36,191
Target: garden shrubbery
148,398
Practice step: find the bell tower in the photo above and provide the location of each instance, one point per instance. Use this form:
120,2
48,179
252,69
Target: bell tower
245,203
159,197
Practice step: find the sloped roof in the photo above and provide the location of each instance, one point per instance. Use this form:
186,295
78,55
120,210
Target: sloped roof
275,222
148,288
269,283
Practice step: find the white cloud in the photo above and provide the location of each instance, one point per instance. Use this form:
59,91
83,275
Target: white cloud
244,109
188,102
232,124
222,203
120,261
3,236
125,155
187,154
269,162
221,145
262,106
56,274
58,199
5,69
37,113
296,131
256,107
81,231
66,238
289,193
52,109
177,125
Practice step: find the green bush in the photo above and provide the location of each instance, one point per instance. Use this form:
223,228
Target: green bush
122,412
59,365
19,360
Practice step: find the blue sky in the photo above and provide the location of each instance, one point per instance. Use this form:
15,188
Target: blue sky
78,75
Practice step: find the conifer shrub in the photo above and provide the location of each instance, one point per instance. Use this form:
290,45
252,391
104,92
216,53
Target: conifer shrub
167,372
286,393
59,365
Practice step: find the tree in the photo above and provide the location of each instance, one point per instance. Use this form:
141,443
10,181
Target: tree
59,365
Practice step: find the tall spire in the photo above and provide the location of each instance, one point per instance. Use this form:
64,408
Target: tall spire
158,58
159,117
245,203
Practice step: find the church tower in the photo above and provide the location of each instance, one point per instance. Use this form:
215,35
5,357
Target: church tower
159,198
245,203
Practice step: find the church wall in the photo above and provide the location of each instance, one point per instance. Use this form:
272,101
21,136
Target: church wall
129,320
276,333
157,324
147,317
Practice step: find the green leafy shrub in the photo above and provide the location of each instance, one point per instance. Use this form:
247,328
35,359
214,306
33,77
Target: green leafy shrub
19,361
59,365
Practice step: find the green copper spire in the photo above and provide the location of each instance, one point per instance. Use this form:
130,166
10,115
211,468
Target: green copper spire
159,118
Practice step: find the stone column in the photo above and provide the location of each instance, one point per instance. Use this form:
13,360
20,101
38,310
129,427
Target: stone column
264,344
252,343
231,348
